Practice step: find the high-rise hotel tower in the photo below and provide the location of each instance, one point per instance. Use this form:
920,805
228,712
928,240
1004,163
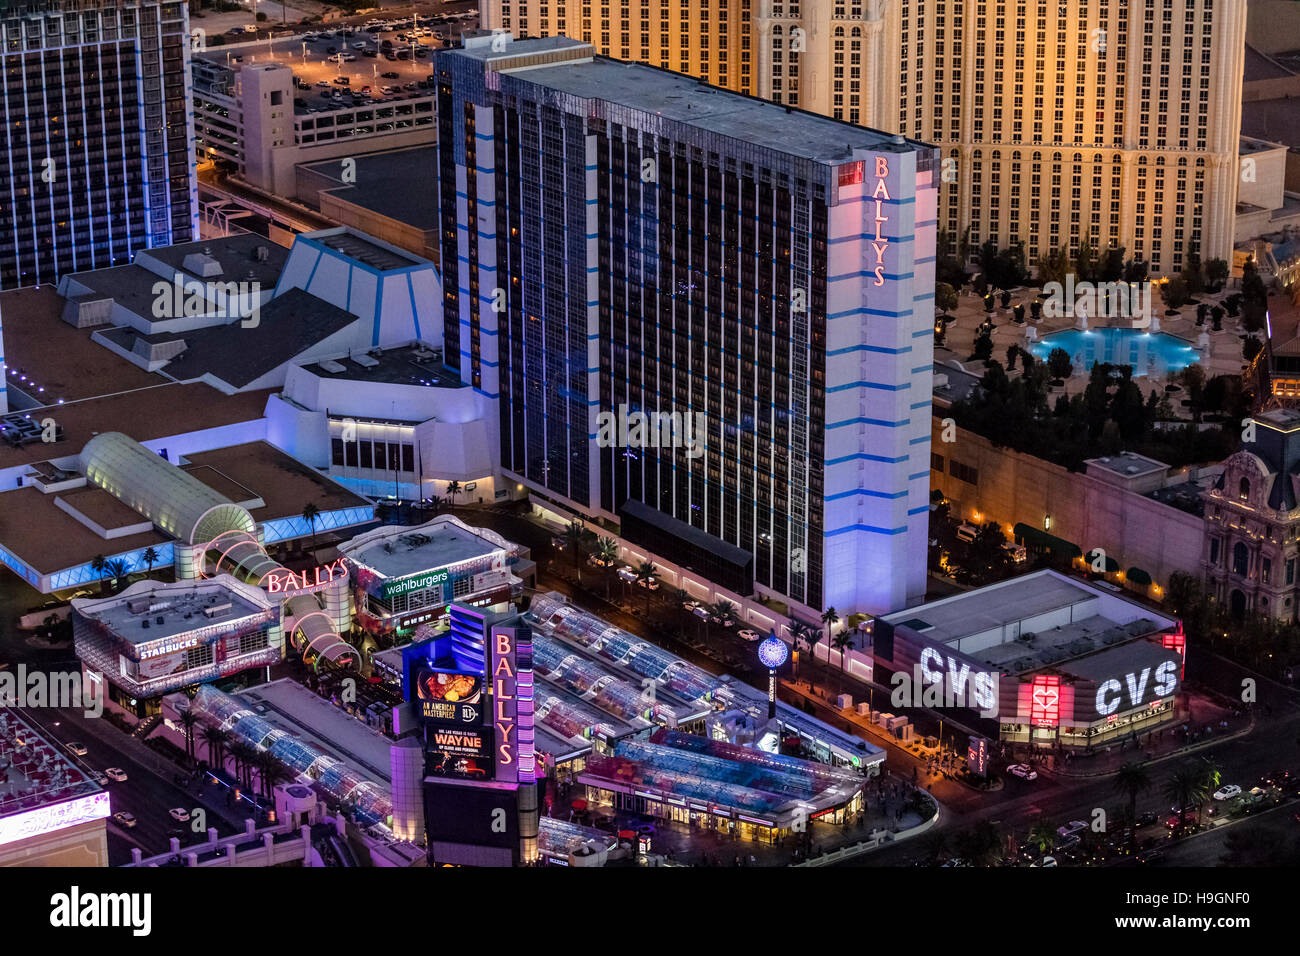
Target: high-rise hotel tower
97,148
1060,121
634,246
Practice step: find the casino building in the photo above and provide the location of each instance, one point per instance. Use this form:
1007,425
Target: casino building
154,638
631,242
1044,659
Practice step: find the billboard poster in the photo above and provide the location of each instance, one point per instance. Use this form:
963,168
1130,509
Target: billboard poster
458,752
449,697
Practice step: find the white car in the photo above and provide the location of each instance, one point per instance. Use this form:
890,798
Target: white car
1227,792
179,814
76,748
116,773
1045,861
1071,828
748,635
1023,771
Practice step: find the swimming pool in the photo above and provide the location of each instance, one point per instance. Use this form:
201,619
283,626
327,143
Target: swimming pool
1148,353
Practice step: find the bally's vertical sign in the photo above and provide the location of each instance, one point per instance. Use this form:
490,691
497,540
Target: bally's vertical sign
511,715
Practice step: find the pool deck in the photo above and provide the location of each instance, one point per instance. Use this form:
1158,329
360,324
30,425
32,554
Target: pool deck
1223,357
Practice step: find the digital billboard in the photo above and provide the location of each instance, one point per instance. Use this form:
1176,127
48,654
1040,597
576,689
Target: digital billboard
458,752
449,697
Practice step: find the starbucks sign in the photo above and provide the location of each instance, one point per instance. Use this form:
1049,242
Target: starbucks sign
415,582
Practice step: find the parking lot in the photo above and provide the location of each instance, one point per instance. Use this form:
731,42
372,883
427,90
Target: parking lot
353,66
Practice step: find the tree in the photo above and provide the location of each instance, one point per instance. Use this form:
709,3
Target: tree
1192,274
1012,352
607,553
215,738
1175,294
117,570
1054,266
1085,262
1250,348
1216,317
1132,780
1254,297
986,557
842,642
1043,836
99,564
829,619
1186,787
188,721
310,513
645,573
453,489
1059,365
573,535
802,631
1216,272
1111,264
150,556
983,347
1136,270
945,297
1019,312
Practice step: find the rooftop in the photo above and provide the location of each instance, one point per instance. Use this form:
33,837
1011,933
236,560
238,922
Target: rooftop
286,326
684,99
282,483
356,246
1127,464
48,539
408,365
397,552
373,187
60,362
39,772
1261,66
1067,618
159,411
148,611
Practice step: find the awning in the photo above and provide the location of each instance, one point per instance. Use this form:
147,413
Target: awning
1138,576
1111,564
1032,537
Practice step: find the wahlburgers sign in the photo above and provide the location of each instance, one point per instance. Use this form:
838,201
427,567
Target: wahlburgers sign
416,582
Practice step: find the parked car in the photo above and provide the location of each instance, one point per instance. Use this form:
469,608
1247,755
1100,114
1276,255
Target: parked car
1023,771
179,814
77,748
748,634
1071,828
1016,552
395,76
1227,792
125,819
1146,819
1045,861
116,773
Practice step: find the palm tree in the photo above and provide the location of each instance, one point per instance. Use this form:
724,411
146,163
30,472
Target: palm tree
150,556
1132,780
842,642
242,754
1043,836
830,618
309,514
645,573
573,536
117,570
274,772
810,636
607,552
453,489
1212,779
188,719
436,503
1186,787
216,739
97,564
722,612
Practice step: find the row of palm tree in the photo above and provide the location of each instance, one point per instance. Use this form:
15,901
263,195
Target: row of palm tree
118,570
247,758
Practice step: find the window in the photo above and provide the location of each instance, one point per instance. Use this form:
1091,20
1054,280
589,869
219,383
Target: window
963,472
1240,559
1243,489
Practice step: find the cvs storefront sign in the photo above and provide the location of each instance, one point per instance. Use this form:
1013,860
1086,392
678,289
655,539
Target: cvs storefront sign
1135,688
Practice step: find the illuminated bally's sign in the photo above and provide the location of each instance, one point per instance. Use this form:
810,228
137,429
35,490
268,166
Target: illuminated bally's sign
284,581
510,660
878,242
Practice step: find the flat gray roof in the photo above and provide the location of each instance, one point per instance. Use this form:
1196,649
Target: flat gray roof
379,184
1127,464
685,99
297,711
181,598
355,246
407,365
422,549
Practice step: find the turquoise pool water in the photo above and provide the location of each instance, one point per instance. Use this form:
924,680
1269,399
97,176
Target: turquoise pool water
1148,353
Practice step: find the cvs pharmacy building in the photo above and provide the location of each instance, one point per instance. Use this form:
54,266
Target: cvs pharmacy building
1045,659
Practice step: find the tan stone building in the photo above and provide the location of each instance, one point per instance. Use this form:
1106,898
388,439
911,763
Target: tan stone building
1252,521
1061,122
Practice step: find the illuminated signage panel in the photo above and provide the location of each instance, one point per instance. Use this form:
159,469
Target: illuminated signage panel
59,816
415,582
